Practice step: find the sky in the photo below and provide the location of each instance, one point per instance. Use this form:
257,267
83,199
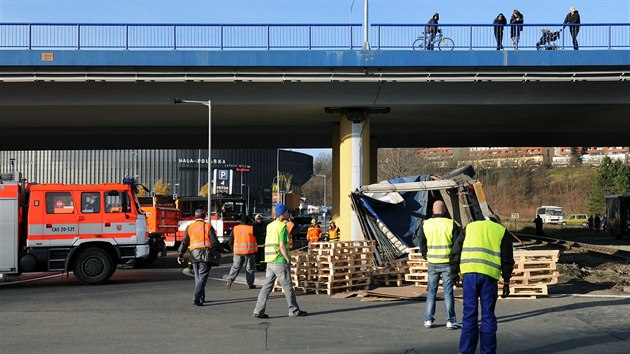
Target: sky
305,11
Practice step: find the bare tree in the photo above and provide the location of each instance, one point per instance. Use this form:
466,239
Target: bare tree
313,190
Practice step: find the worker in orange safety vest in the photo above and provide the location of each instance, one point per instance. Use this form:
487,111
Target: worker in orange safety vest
244,246
290,226
198,235
314,233
333,234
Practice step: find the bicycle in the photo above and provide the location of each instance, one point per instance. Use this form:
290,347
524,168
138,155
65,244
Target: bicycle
441,42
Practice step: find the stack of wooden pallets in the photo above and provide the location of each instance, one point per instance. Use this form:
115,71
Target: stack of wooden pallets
533,272
342,266
330,267
418,268
391,273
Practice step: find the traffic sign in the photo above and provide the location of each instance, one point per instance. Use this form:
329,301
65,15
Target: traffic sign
514,216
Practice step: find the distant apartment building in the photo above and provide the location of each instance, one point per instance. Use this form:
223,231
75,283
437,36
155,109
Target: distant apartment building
523,156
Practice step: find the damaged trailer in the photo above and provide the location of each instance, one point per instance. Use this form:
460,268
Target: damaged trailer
390,212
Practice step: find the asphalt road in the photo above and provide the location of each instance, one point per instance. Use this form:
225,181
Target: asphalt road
151,311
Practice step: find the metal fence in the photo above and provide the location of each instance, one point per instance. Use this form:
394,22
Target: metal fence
291,36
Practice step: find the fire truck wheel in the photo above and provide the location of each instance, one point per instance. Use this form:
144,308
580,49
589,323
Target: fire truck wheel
93,266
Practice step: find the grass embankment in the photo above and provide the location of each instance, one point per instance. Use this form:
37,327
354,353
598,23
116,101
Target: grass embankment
522,190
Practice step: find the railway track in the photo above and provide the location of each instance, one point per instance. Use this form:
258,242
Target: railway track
606,250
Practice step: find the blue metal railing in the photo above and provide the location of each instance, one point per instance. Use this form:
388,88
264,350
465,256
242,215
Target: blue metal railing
289,36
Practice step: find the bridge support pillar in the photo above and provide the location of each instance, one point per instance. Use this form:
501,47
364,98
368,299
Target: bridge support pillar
351,168
352,164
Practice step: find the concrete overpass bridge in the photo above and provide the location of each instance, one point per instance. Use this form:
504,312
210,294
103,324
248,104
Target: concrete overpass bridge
110,86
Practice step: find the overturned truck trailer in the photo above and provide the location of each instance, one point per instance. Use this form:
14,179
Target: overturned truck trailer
390,212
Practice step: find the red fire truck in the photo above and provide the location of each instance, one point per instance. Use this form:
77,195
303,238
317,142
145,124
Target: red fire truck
162,222
227,211
87,229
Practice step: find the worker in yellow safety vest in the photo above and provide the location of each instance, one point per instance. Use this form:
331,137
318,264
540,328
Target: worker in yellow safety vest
198,235
244,247
436,239
334,233
314,233
483,253
278,259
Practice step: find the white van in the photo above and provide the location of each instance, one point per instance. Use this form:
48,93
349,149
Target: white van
550,214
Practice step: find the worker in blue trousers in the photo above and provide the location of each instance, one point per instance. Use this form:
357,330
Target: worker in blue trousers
483,252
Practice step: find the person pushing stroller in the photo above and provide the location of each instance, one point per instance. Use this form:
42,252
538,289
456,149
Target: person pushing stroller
547,40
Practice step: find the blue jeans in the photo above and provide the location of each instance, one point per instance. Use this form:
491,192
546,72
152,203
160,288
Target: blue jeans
435,270
202,270
479,288
249,260
283,273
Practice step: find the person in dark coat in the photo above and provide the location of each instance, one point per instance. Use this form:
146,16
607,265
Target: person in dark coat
431,30
573,20
498,23
515,31
539,225
260,233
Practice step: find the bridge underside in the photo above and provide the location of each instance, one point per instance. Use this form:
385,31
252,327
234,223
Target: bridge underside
89,114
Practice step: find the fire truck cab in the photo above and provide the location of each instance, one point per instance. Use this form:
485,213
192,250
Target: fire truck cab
86,229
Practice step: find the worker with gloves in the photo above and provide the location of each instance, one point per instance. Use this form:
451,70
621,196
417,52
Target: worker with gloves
483,252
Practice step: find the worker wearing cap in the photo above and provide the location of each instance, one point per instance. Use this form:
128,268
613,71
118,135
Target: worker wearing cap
259,233
314,233
198,235
244,247
277,257
483,252
334,233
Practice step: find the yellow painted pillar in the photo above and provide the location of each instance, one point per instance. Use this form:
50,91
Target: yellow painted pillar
352,171
336,196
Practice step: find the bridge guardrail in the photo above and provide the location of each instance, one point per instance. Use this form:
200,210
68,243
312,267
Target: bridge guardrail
290,36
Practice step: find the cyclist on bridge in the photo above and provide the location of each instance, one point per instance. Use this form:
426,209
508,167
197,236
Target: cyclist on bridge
431,30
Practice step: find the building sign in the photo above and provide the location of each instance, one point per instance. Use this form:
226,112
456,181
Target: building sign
222,181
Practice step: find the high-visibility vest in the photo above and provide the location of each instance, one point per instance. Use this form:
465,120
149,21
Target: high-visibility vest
439,234
244,240
199,235
334,234
313,234
481,252
272,242
290,226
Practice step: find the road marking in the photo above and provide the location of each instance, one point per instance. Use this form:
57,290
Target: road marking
29,280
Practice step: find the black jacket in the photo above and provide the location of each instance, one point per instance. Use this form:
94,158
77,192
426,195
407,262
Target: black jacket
507,255
573,18
433,21
516,19
499,22
260,232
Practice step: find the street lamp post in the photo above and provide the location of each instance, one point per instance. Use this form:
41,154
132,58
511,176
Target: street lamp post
246,185
208,104
324,187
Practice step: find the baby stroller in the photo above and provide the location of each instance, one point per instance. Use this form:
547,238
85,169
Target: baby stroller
548,40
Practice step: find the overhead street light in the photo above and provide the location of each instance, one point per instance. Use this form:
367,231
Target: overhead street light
208,104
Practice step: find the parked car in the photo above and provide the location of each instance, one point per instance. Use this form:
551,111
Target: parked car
575,220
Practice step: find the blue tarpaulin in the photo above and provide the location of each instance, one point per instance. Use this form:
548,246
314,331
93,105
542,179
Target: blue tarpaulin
403,218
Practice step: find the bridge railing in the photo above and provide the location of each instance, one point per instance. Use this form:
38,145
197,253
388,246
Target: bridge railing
289,36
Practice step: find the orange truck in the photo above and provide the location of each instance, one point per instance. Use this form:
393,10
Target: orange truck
162,222
85,228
